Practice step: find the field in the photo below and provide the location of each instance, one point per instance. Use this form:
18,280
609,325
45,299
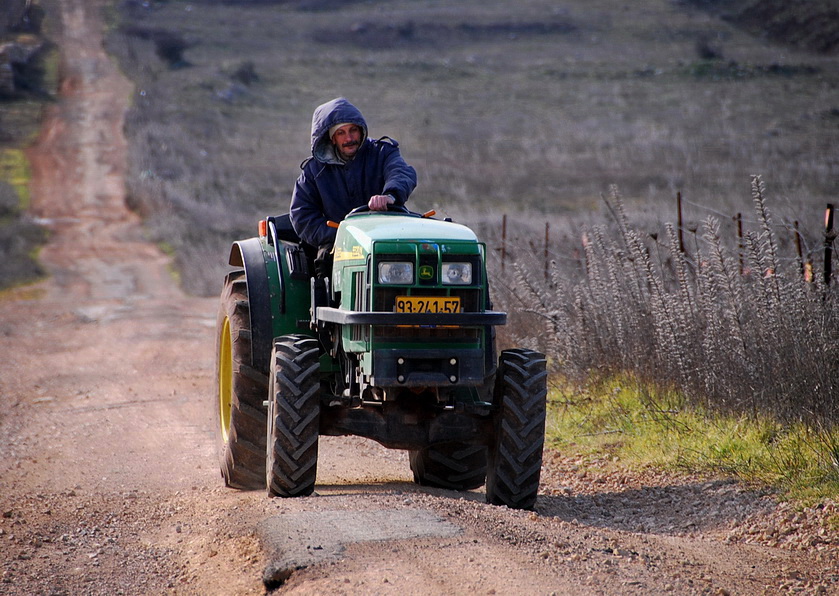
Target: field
533,112
576,125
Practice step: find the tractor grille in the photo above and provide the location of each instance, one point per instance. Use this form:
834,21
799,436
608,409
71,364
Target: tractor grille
359,332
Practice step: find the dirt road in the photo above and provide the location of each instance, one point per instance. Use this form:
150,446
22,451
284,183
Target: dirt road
108,476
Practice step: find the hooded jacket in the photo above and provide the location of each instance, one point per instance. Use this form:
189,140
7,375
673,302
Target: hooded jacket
329,188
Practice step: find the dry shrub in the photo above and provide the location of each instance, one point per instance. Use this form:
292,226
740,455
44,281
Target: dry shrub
737,329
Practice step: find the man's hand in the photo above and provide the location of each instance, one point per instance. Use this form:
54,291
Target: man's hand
380,202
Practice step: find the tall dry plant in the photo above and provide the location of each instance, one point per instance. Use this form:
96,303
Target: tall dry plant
736,328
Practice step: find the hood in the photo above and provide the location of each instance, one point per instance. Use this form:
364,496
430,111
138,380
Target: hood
337,111
367,228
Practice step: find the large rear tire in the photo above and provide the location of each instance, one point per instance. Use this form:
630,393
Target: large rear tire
293,417
515,459
240,391
455,466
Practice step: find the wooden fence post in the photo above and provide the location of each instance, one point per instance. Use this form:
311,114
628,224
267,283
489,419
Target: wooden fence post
680,228
547,252
829,236
739,219
798,249
503,240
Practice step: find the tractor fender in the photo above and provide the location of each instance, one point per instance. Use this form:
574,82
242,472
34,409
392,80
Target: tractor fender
249,255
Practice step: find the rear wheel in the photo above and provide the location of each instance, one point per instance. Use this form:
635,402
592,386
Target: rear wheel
455,466
240,391
515,459
293,417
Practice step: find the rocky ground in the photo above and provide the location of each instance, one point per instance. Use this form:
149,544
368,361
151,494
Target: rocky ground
109,482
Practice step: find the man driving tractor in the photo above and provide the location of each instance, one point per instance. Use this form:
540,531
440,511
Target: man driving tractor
397,346
347,170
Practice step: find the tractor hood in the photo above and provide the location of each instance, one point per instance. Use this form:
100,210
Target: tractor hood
363,230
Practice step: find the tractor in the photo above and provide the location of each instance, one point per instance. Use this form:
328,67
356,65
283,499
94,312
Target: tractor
397,345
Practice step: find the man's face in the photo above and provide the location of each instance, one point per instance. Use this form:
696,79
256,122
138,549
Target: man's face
347,139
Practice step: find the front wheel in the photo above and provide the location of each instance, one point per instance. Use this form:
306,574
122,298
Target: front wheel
515,458
293,417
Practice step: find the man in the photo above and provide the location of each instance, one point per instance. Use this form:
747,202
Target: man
347,170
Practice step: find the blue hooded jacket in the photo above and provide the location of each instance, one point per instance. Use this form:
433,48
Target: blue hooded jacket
328,188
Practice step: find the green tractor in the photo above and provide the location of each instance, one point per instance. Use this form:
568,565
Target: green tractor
398,346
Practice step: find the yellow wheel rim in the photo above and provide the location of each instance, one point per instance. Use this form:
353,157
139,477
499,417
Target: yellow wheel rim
225,378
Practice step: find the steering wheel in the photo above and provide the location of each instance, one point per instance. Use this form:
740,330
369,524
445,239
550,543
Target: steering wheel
390,209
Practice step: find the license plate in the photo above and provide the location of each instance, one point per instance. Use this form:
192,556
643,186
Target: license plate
427,304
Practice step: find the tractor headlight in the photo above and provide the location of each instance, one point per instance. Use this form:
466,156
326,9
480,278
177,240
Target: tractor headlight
457,273
396,272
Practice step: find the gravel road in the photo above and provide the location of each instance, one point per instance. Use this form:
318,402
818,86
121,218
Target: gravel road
108,475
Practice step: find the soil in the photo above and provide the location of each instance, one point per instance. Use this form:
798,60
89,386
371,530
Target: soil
109,481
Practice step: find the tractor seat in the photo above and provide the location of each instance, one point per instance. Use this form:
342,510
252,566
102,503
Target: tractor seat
285,232
300,256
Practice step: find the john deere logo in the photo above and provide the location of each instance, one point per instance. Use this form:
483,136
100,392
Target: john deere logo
426,272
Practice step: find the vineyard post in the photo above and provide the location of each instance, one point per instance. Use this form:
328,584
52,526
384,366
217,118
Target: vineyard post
503,240
739,219
680,228
798,250
829,236
547,252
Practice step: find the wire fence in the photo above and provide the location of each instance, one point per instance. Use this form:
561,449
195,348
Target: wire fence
808,259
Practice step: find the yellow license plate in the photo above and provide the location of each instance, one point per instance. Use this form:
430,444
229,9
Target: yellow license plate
427,304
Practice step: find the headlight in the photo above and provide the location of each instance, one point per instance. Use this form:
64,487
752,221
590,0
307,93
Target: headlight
457,273
396,273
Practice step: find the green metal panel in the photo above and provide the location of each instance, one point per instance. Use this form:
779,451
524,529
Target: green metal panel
368,228
297,294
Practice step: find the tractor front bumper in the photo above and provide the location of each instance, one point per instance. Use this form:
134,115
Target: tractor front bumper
466,319
417,367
